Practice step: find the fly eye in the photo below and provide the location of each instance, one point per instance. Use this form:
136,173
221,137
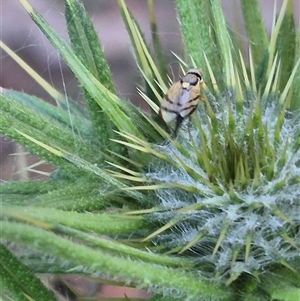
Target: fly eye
195,82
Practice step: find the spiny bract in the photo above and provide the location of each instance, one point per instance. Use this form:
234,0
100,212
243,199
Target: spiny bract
249,222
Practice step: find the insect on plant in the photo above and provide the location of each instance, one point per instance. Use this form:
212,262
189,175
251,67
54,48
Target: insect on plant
182,98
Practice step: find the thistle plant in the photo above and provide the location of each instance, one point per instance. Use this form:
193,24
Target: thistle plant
211,214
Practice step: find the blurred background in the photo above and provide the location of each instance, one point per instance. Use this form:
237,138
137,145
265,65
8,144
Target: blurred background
24,38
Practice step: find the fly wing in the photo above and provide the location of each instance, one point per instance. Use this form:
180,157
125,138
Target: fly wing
189,101
183,99
171,104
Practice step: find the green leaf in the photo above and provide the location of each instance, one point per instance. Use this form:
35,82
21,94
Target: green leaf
8,127
98,223
286,293
224,43
16,116
145,274
22,193
118,248
85,44
286,45
200,36
80,196
283,285
295,87
29,187
74,117
18,282
255,29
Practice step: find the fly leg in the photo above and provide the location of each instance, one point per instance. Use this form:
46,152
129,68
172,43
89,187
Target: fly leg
179,120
